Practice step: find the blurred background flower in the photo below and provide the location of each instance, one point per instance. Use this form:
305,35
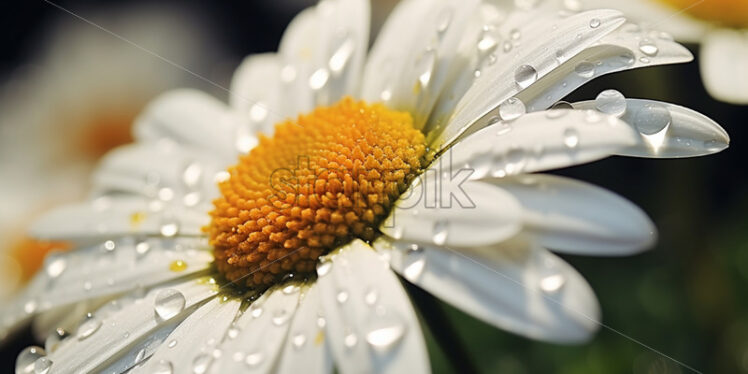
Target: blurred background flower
686,298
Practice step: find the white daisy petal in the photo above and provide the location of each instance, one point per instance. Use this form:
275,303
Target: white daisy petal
441,209
305,349
102,339
192,345
665,130
519,288
111,268
370,322
269,318
724,66
629,47
409,63
181,174
534,59
189,117
255,93
541,141
114,216
323,51
575,217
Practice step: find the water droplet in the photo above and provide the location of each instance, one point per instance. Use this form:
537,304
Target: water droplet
323,268
397,231
169,227
562,105
192,174
30,306
511,109
487,42
595,23
42,365
525,75
571,138
169,303
201,363
255,310
611,102
350,340
142,249
552,278
387,331
27,358
88,326
515,34
714,145
342,297
371,296
298,340
515,161
342,54
56,264
626,59
648,47
280,317
258,112
172,343
109,246
444,20
290,289
440,231
425,68
165,194
652,119
87,285
254,359
415,262
585,69
506,46
318,79
54,339
644,60
321,322
163,367
573,5
288,74
232,333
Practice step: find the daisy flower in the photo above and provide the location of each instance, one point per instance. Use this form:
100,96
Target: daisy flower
219,243
71,103
720,26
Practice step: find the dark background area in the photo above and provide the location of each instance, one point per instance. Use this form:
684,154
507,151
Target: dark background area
685,298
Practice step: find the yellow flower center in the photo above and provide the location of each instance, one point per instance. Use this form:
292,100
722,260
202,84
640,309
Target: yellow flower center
322,180
733,13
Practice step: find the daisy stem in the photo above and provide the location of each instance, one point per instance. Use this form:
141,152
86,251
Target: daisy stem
441,328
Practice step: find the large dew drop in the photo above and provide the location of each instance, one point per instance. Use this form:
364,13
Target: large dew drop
168,303
611,102
27,358
525,75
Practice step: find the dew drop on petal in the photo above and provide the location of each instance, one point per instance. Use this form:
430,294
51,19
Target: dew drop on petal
525,75
192,174
255,310
385,332
319,79
611,102
172,343
444,20
652,119
323,268
571,138
440,231
142,249
342,296
298,340
201,363
371,296
168,303
585,69
88,326
254,359
552,278
562,105
27,358
169,227
350,340
163,367
511,109
425,68
42,365
280,317
415,262
54,339
342,54
595,23
56,265
648,47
